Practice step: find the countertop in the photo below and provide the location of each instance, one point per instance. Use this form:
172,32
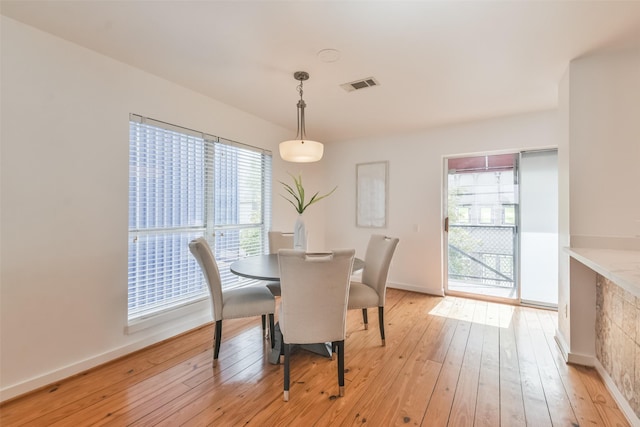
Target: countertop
620,266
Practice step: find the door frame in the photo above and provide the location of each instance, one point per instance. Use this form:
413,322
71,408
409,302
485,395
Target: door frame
445,235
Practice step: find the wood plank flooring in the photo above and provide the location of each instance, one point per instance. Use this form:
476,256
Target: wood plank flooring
448,362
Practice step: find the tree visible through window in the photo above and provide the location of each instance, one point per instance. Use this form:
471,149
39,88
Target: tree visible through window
183,185
463,215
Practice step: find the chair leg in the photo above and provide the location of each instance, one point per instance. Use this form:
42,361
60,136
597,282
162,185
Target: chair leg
271,329
287,351
217,338
264,325
381,321
365,318
340,346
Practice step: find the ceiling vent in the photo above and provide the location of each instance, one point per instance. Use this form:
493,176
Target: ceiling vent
360,84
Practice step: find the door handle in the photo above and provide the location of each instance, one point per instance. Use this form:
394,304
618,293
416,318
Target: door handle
446,224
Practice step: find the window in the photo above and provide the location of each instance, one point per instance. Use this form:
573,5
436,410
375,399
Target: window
509,214
182,185
486,215
463,214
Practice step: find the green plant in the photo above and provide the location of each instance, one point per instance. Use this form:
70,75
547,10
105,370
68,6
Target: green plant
298,194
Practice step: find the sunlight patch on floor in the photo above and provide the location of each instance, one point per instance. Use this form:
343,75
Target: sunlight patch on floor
498,315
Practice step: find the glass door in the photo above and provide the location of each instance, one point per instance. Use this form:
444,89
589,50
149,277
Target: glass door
481,226
539,228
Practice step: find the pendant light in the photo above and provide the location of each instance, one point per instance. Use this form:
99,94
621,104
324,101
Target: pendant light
301,149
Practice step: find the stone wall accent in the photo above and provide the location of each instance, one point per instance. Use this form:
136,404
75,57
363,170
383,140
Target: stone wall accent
618,338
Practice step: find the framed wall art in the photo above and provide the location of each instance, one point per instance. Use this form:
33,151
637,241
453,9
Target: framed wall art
371,194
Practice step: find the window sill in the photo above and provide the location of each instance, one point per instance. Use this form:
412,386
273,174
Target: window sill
182,313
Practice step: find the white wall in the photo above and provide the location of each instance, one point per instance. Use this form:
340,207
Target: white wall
416,185
605,145
64,175
564,207
599,154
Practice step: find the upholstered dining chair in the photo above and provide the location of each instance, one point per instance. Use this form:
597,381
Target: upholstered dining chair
313,305
234,303
278,240
371,291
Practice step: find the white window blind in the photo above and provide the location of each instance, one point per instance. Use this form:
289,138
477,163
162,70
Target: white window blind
182,185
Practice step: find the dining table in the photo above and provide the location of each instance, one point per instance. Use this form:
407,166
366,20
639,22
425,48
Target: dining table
266,267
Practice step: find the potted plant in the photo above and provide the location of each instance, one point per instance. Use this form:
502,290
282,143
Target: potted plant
298,201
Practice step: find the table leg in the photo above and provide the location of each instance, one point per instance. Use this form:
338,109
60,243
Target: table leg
322,349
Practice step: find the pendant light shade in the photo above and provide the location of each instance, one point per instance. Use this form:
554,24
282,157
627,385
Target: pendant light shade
301,149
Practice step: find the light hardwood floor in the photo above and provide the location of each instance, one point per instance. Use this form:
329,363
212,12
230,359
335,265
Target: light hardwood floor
448,361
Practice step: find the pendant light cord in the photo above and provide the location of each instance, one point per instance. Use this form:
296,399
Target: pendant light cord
301,134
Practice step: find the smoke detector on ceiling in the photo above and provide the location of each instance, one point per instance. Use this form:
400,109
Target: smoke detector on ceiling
329,55
360,84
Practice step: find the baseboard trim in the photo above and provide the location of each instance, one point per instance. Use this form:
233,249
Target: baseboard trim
617,395
413,288
16,390
591,361
562,345
569,357
581,359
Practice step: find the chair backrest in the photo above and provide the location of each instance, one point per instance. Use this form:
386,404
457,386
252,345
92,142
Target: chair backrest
376,263
279,240
202,253
315,292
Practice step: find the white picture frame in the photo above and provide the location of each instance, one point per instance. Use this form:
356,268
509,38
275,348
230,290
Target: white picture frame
371,194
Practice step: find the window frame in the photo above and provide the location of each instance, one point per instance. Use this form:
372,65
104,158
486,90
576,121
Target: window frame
208,227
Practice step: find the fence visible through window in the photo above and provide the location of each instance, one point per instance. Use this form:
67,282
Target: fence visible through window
483,256
482,202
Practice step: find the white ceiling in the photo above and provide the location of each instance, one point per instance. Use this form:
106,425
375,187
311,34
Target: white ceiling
437,62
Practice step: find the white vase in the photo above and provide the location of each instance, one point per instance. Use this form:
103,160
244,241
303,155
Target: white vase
299,234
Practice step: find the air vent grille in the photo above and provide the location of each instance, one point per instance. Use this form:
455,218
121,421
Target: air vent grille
360,84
